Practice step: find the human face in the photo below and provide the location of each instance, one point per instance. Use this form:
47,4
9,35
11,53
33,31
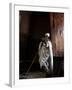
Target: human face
46,38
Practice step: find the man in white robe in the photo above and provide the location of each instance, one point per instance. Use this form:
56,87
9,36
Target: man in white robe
46,54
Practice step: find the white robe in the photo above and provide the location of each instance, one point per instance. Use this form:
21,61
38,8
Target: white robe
45,52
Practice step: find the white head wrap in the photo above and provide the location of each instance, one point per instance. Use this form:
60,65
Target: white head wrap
47,34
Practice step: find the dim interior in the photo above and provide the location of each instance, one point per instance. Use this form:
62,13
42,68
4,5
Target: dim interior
32,28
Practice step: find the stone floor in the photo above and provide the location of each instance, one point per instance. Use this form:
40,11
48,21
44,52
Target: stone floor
35,71
31,75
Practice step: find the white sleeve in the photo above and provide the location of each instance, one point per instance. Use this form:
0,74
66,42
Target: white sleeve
40,45
51,55
39,49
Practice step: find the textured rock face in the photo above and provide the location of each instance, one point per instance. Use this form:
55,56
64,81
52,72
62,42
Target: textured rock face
57,33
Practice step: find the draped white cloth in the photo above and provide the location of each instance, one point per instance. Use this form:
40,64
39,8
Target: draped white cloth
45,53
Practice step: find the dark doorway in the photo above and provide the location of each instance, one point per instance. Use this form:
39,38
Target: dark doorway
39,25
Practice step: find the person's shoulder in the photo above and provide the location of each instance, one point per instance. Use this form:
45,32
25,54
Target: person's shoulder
41,42
50,44
49,41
